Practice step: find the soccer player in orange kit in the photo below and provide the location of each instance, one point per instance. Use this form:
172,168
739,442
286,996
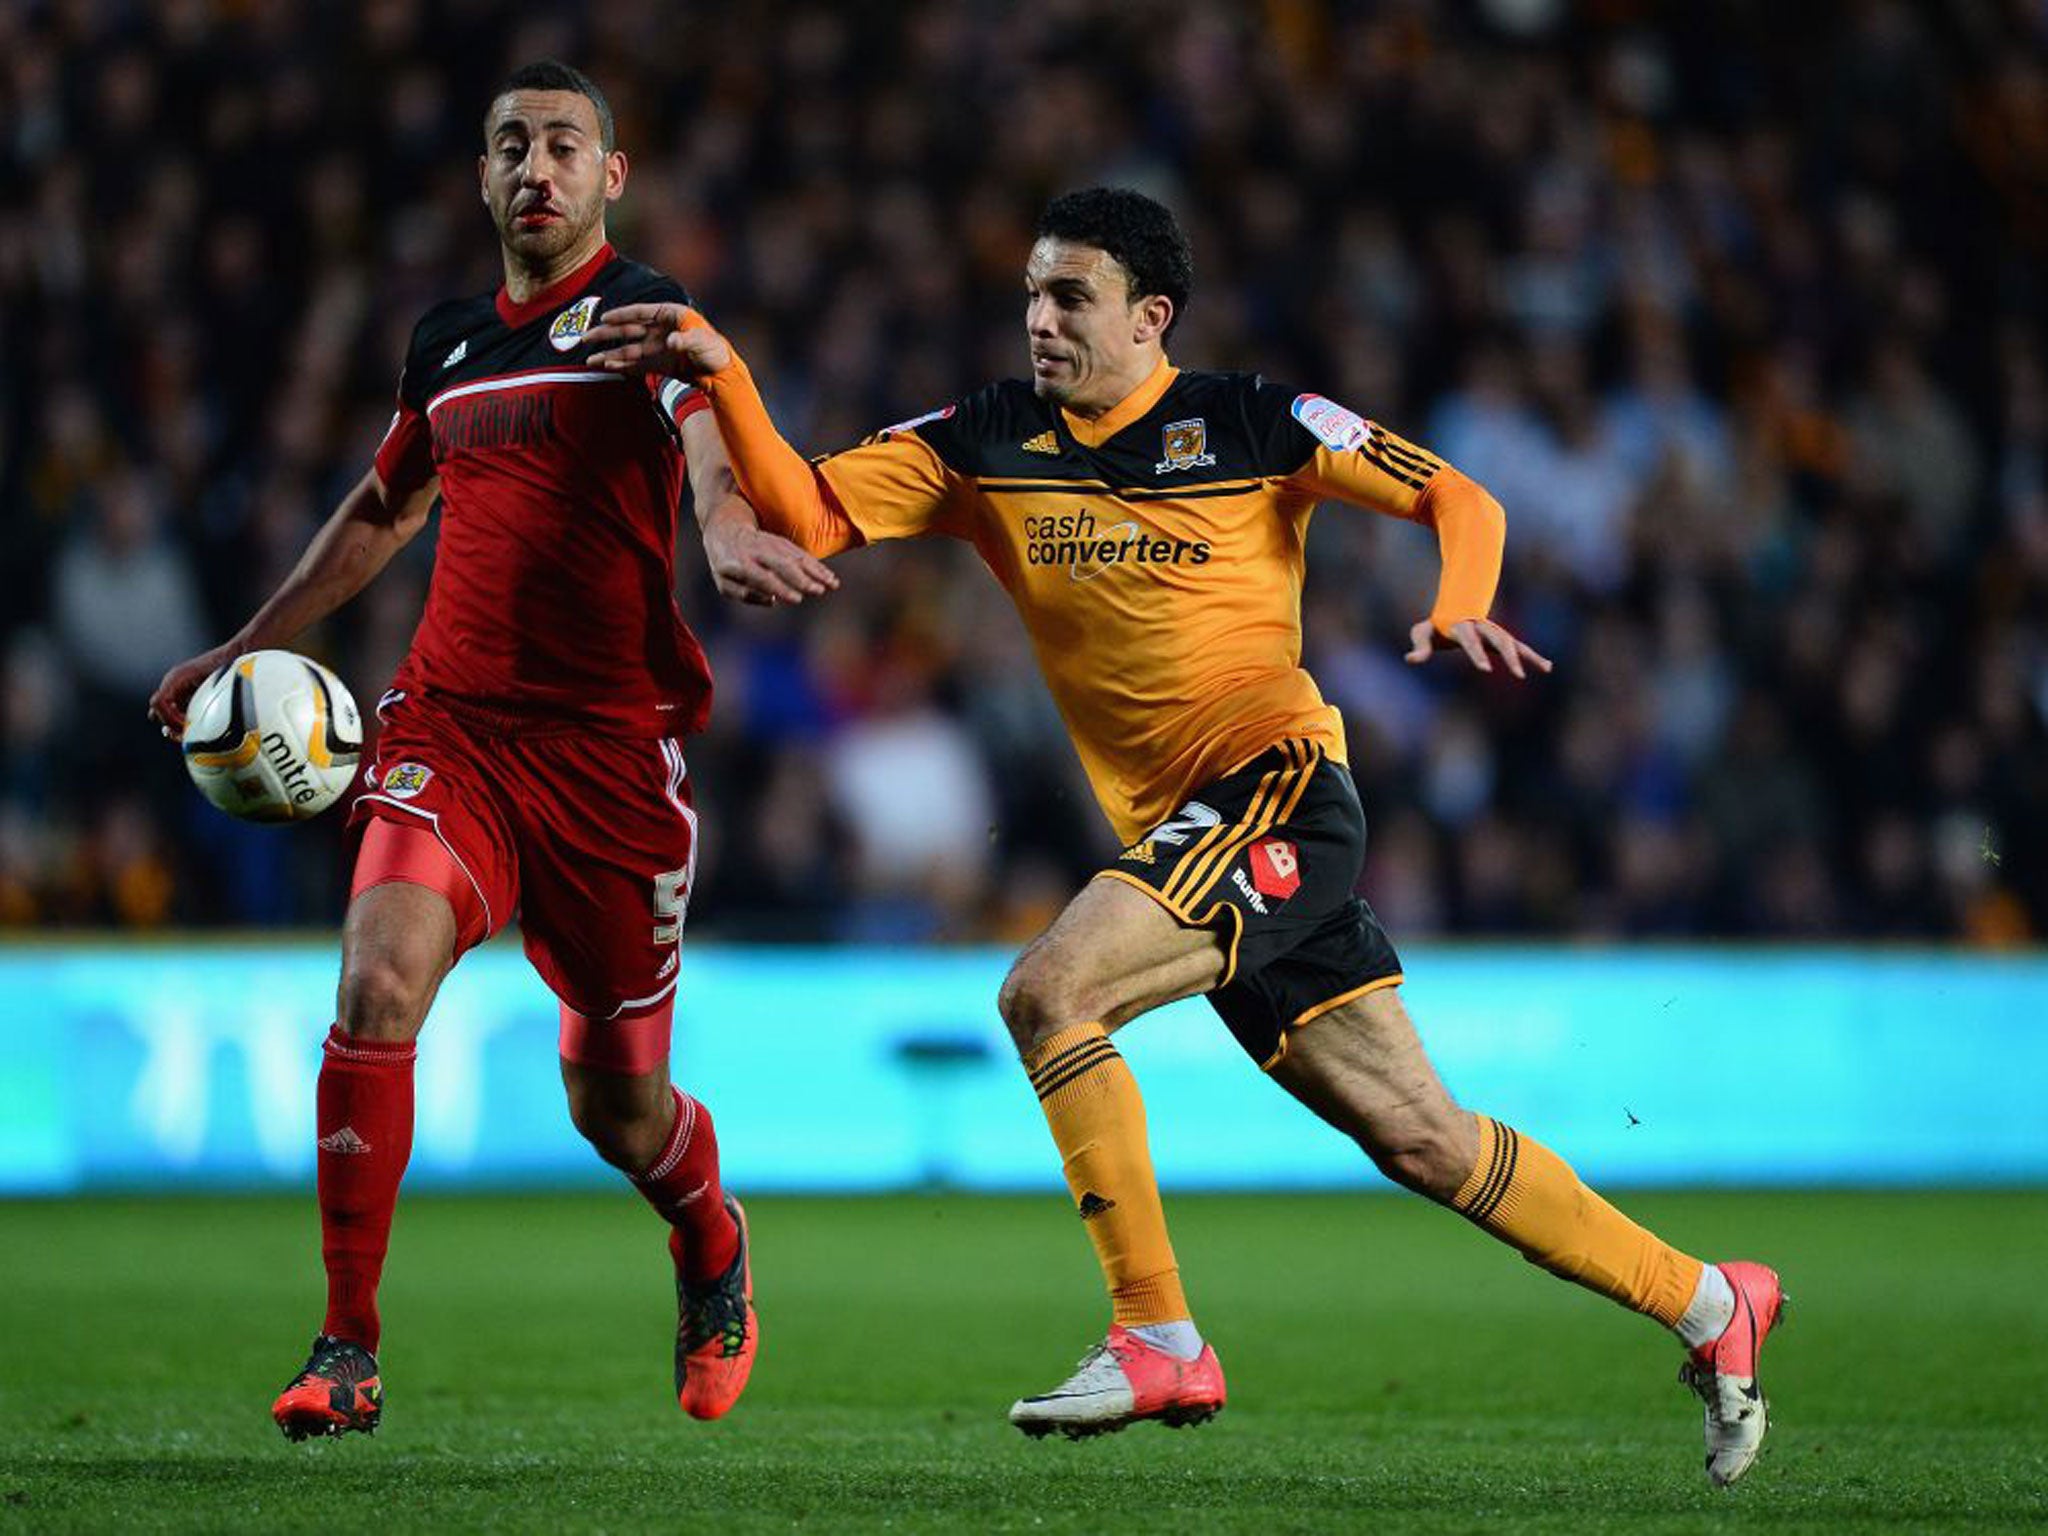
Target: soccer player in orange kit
1149,523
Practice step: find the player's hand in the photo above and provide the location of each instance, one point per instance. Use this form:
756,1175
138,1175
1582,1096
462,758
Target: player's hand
1475,637
167,704
656,338
751,565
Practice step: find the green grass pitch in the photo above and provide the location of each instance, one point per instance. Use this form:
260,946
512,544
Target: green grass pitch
1390,1371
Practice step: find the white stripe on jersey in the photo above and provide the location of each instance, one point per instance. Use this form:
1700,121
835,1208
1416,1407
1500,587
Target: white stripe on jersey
521,381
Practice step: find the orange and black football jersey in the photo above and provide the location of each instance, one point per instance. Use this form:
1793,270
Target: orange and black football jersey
1155,555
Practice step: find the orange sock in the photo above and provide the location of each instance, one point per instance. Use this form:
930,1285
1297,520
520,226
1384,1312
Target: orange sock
1091,1102
1528,1197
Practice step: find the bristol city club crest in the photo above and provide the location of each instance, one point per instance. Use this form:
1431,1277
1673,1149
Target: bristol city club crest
406,780
571,323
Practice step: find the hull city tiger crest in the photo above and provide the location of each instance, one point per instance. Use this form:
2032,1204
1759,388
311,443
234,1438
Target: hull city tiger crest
571,323
1185,445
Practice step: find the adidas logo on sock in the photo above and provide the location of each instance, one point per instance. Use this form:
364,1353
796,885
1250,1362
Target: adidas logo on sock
1045,442
345,1141
1093,1205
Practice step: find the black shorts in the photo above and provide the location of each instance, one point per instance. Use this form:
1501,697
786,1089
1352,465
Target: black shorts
1270,856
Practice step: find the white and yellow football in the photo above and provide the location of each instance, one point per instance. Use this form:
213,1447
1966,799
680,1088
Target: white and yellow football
272,736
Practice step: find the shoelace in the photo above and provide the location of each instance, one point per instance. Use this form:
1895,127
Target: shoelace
1701,1379
337,1362
1095,1353
721,1314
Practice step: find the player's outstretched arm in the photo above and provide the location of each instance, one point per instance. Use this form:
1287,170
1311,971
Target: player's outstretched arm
1368,466
748,563
789,496
352,546
1471,532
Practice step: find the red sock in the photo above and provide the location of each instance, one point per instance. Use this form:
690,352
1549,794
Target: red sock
682,1184
365,1130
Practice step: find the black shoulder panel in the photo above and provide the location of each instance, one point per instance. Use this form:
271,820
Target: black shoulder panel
440,331
1281,443
634,282
985,433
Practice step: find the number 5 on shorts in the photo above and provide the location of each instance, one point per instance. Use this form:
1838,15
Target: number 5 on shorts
671,901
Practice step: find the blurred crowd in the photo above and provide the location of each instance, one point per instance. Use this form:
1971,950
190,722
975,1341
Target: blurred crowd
1738,308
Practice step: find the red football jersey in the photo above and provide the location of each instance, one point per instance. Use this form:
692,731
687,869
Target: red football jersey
552,599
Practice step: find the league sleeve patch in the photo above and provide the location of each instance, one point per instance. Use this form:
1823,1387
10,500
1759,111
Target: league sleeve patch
940,414
679,400
1333,426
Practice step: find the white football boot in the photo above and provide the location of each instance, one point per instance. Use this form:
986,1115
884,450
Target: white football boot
1723,1374
1120,1381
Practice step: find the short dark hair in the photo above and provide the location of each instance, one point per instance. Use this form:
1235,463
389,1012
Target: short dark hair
548,75
1141,234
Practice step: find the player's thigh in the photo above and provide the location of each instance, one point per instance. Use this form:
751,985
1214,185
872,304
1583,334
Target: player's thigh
435,873
398,943
432,813
604,895
1237,875
1112,954
1363,1068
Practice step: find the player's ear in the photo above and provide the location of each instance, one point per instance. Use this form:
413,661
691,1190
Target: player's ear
1155,314
483,178
614,175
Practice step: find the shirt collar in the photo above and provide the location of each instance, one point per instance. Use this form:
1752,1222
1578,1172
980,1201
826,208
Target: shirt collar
1092,434
516,315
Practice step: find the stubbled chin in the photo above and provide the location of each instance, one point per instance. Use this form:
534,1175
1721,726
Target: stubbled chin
549,240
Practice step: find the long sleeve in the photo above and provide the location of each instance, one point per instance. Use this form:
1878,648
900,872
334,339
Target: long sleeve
1387,474
893,486
790,496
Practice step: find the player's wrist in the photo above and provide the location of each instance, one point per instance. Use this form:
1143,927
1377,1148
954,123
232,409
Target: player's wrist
728,517
730,374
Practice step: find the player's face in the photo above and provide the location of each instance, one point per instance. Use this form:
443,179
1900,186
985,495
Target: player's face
1091,341
546,176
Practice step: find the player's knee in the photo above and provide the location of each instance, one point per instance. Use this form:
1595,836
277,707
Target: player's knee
623,1124
1036,1003
381,1000
611,1137
1424,1158
624,1143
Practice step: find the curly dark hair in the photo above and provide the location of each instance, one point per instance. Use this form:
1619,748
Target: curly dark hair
548,75
1141,234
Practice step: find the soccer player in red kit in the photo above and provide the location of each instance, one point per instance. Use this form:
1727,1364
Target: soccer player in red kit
530,760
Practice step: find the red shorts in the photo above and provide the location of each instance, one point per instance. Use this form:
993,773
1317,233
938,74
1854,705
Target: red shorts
590,840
